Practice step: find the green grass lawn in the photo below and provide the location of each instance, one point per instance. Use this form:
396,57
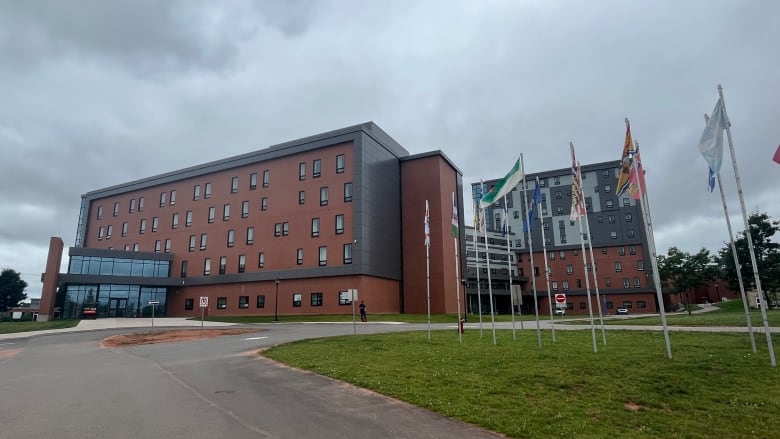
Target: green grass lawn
714,387
403,318
730,313
11,327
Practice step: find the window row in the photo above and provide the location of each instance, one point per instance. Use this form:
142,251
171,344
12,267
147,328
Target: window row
316,167
315,300
607,284
640,304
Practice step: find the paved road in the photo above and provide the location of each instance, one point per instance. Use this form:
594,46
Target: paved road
67,386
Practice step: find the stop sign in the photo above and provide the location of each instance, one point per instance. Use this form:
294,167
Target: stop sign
560,298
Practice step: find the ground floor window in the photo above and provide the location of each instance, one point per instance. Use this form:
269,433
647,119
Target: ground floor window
316,299
189,304
111,300
641,304
297,298
243,301
345,298
221,302
261,301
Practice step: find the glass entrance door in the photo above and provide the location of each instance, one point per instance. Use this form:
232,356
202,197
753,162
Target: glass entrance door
117,307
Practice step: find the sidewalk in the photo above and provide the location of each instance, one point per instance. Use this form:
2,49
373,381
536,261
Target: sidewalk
117,323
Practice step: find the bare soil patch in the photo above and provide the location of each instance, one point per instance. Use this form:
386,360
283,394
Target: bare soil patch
124,340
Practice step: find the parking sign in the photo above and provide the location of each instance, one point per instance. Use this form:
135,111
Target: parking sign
204,302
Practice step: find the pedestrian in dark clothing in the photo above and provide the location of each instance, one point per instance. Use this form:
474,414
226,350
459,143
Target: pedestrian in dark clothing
363,312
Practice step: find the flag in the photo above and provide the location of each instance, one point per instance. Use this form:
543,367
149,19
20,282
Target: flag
776,158
476,215
455,223
711,181
535,200
577,204
711,141
505,220
503,187
636,178
625,163
427,225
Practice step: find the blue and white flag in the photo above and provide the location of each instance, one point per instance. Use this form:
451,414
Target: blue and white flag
711,142
535,199
711,181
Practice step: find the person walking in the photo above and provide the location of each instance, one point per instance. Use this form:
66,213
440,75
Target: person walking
363,312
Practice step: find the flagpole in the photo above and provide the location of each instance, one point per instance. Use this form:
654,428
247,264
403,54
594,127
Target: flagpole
763,303
457,269
509,268
648,225
592,262
587,290
428,270
490,284
476,256
531,253
736,259
546,263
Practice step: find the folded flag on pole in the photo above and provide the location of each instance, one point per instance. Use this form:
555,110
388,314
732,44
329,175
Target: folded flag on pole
776,158
505,221
455,223
625,165
711,181
503,187
427,225
577,206
535,200
711,141
636,177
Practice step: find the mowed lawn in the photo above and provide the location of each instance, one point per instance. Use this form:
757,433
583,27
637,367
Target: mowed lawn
714,387
731,313
13,327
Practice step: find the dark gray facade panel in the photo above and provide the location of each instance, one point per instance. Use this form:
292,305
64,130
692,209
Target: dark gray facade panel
82,251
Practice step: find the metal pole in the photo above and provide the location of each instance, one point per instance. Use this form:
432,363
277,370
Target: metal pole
276,301
531,253
546,264
509,269
352,299
476,260
202,309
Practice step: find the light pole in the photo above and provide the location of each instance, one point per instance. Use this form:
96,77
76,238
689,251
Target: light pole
717,290
276,301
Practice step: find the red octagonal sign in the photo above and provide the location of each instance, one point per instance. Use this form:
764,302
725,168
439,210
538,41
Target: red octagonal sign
560,298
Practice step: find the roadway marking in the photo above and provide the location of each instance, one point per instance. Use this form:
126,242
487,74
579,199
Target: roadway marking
7,343
255,338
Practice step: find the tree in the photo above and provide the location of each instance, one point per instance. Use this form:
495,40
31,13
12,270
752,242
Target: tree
11,289
682,272
762,228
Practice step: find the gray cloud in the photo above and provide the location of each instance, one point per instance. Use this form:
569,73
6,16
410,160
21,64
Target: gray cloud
98,93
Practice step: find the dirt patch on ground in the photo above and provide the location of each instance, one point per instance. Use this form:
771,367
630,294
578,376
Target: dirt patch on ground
632,406
124,340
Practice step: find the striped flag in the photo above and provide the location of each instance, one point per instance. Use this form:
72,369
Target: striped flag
427,225
625,165
577,205
455,222
636,178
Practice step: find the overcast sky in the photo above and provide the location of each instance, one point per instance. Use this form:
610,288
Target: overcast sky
95,93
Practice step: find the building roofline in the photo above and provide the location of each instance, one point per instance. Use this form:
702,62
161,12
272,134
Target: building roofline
437,152
585,167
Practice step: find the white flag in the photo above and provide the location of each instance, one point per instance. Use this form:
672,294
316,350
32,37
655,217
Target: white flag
427,225
711,142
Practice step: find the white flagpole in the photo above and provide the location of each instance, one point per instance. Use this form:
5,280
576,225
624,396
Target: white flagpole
592,259
546,263
531,253
457,273
476,255
509,267
428,270
736,258
587,289
748,236
643,196
490,284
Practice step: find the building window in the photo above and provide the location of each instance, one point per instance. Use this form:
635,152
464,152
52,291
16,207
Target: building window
101,231
630,233
340,164
613,235
626,282
302,171
345,298
546,225
189,304
234,185
116,208
167,246
626,202
163,199
221,302
212,214
618,267
556,180
582,305
641,304
323,256
132,205
245,209
299,256
640,265
603,250
347,254
637,282
264,203
175,221
611,219
609,282
600,219
250,235
632,249
552,256
207,193
241,263
135,247
222,264
316,299
629,217
142,228
155,223
278,230
192,242
559,210
555,285
627,303
231,238
184,268
324,196
317,168
196,192
285,228
260,260
339,224
565,285
243,301
260,301
109,231
226,212
207,267
347,192
315,227
100,212
141,204
188,218
609,203
297,297
266,177
124,229
172,200
301,197
253,181
569,269
203,238
558,195
622,251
